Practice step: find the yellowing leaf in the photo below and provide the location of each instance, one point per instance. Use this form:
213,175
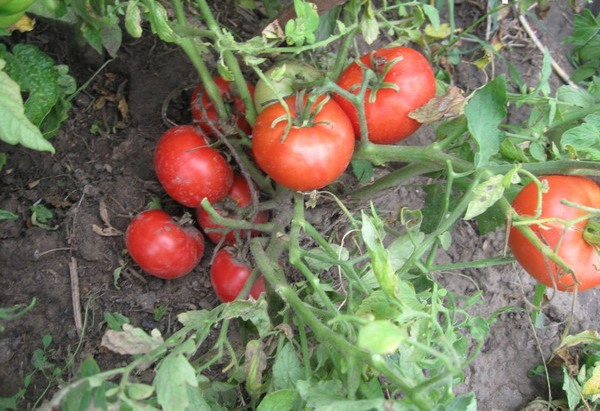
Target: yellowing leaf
442,31
24,24
592,386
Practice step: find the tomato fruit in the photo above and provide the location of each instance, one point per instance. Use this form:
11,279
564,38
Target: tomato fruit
404,81
569,243
228,276
161,247
285,78
238,198
188,169
313,154
204,113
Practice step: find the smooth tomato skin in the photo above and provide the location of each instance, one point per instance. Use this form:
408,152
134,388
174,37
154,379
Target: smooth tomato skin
387,117
240,197
188,169
161,247
581,256
238,108
228,276
310,157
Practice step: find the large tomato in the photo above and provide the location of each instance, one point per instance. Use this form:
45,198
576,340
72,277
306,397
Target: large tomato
313,154
285,78
228,276
404,81
204,113
188,169
161,247
232,206
568,242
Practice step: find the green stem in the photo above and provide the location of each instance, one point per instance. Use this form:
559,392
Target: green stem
189,48
567,167
231,222
591,234
483,263
342,55
230,61
573,115
379,154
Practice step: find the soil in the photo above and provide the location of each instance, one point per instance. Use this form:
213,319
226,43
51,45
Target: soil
103,167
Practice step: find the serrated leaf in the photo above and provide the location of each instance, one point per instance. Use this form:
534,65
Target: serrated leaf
131,340
485,195
172,382
287,369
279,400
484,112
584,140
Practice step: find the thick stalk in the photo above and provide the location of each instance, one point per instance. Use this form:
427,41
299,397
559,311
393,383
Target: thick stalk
230,61
189,48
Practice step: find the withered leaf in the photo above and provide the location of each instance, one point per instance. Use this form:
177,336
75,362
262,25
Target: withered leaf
449,106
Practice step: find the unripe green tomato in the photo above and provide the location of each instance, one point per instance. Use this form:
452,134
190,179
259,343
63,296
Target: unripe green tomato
10,19
14,6
286,78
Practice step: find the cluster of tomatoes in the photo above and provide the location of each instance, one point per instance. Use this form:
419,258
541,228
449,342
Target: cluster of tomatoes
304,144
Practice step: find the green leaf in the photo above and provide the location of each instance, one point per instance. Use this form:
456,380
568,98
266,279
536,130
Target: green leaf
572,389
380,261
115,320
317,259
377,304
15,127
159,22
112,37
133,19
432,14
484,112
485,195
402,248
381,337
279,400
362,169
7,215
172,382
369,26
592,385
302,29
256,312
583,140
287,369
321,393
137,391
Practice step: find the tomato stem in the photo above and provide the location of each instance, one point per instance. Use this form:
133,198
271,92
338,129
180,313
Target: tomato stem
591,233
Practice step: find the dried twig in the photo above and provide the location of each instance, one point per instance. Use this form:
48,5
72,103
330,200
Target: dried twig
557,68
75,295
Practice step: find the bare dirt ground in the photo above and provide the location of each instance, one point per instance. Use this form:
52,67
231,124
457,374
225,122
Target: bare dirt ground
103,164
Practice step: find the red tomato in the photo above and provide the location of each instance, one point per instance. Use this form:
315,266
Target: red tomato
161,247
228,276
203,111
188,169
387,115
570,243
312,155
239,197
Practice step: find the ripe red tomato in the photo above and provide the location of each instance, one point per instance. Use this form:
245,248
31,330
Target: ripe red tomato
239,197
161,247
412,85
228,276
312,155
203,111
570,243
188,169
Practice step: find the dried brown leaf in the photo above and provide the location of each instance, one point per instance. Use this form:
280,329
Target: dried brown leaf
448,106
106,231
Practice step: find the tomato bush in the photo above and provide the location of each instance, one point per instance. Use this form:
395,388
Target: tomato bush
204,113
232,206
188,169
403,82
568,241
228,276
314,153
161,247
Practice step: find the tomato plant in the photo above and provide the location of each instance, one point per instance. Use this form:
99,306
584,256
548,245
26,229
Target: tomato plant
285,79
228,276
314,153
403,82
188,169
563,228
161,247
238,198
204,113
